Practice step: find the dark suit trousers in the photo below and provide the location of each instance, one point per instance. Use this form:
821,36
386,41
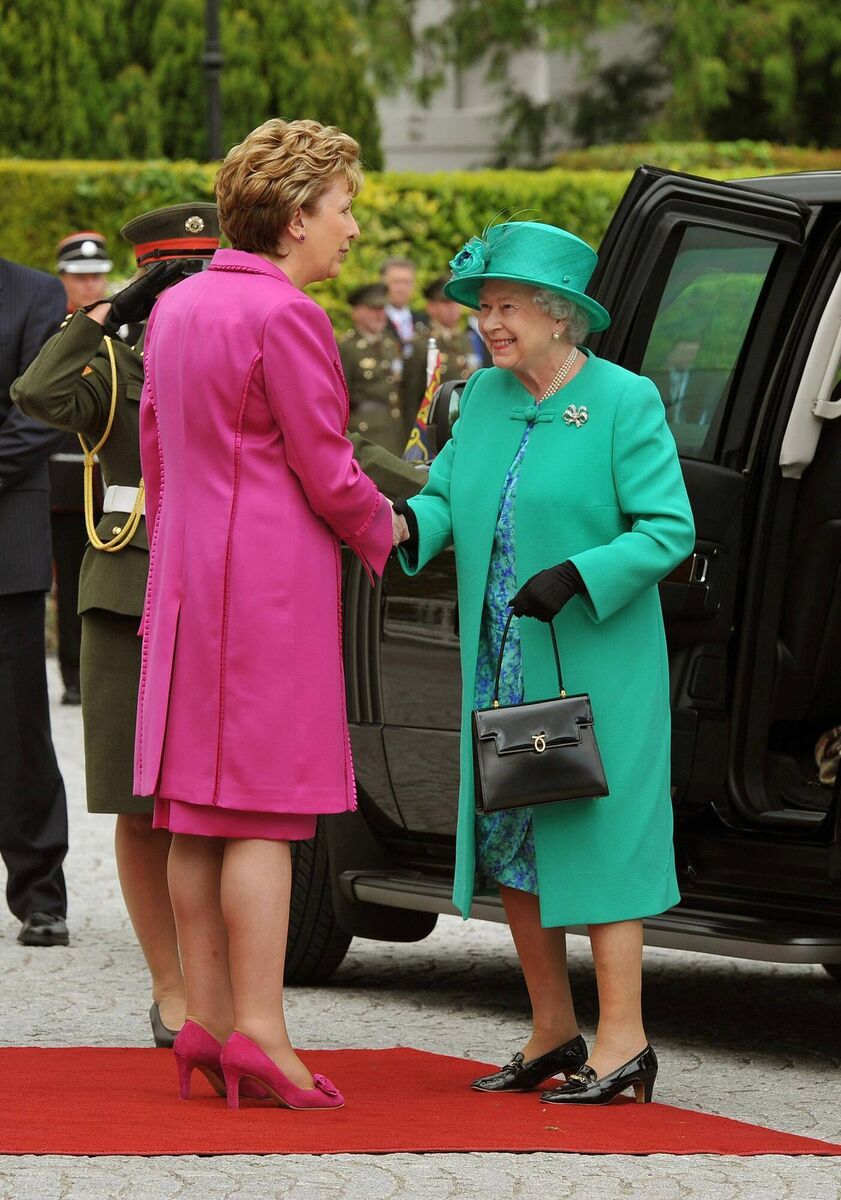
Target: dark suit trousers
69,542
33,806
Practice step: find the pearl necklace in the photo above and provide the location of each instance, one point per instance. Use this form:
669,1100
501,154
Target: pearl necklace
560,377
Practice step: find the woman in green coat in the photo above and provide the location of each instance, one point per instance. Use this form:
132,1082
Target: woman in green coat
562,494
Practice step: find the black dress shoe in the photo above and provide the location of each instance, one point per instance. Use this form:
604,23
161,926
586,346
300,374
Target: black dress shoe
44,929
585,1086
164,1037
72,695
521,1076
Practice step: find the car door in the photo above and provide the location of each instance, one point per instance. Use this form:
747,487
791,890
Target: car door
696,275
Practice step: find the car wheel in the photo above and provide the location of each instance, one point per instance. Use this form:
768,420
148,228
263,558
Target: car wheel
316,943
834,970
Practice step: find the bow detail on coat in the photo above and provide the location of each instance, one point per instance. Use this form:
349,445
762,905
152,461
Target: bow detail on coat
534,412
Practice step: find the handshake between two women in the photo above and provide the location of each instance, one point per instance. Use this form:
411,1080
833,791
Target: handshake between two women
399,528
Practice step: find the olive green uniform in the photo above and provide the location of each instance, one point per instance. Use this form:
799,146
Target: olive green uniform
373,367
395,478
68,386
458,361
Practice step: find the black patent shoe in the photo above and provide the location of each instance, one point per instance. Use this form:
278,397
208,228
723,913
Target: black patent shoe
521,1076
585,1086
164,1037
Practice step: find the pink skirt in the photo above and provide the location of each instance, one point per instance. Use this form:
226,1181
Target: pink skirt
203,820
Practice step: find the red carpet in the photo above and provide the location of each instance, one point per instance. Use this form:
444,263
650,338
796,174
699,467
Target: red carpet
92,1101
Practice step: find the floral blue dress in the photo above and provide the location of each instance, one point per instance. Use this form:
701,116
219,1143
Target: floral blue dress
504,840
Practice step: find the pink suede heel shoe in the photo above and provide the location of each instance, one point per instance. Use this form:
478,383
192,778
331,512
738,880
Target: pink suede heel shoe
244,1061
196,1049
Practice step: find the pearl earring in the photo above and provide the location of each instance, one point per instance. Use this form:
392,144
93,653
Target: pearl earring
556,335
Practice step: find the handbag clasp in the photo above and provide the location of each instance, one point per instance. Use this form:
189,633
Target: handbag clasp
539,741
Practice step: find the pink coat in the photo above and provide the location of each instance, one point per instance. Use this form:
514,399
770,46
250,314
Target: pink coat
250,485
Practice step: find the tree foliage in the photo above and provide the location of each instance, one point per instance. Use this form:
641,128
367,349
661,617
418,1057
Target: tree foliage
751,68
125,78
717,69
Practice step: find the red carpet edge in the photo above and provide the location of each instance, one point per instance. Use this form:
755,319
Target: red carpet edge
94,1101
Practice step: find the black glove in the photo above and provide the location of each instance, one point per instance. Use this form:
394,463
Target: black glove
544,595
410,546
134,303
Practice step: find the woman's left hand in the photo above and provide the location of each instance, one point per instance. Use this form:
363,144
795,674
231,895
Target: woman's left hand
544,595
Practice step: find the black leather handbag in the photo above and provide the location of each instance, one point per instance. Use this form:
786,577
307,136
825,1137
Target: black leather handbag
540,752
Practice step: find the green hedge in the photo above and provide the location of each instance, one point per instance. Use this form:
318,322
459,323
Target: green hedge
426,217
733,158
429,217
41,202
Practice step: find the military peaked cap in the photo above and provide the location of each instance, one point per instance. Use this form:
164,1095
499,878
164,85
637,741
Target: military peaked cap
177,231
435,290
83,253
374,295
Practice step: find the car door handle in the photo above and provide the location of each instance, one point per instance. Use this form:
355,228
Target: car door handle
699,568
694,569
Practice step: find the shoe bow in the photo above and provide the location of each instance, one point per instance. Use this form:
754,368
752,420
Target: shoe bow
322,1082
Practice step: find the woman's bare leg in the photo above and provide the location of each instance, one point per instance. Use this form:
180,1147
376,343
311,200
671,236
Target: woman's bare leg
617,955
542,954
142,854
256,887
195,873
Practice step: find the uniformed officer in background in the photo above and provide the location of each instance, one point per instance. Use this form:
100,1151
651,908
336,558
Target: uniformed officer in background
398,277
83,265
446,323
373,364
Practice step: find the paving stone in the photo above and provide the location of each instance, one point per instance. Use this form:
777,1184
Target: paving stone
752,1041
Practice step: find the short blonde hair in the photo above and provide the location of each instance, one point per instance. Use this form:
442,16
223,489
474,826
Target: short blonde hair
280,167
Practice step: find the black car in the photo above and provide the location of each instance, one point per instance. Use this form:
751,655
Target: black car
727,295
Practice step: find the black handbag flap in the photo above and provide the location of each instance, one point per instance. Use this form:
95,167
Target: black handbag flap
534,727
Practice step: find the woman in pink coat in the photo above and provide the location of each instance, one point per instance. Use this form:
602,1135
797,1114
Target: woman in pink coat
251,486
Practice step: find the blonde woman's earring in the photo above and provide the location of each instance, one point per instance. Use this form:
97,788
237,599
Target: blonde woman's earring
302,237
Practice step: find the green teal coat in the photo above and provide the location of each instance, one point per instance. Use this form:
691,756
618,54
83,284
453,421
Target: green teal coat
609,495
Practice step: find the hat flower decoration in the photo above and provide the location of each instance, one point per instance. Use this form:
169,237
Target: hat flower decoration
471,259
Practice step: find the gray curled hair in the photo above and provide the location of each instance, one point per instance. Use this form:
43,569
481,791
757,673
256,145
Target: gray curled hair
577,319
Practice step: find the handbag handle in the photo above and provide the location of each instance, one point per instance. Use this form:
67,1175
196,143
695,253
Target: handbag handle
561,690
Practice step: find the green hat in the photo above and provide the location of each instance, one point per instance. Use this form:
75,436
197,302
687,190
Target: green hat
374,295
177,231
529,252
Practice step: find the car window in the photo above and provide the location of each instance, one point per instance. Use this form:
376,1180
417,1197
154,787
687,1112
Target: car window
703,318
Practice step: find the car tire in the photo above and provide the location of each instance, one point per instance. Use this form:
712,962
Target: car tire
316,944
833,970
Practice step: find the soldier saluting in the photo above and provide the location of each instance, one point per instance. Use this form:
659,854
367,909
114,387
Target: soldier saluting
87,382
